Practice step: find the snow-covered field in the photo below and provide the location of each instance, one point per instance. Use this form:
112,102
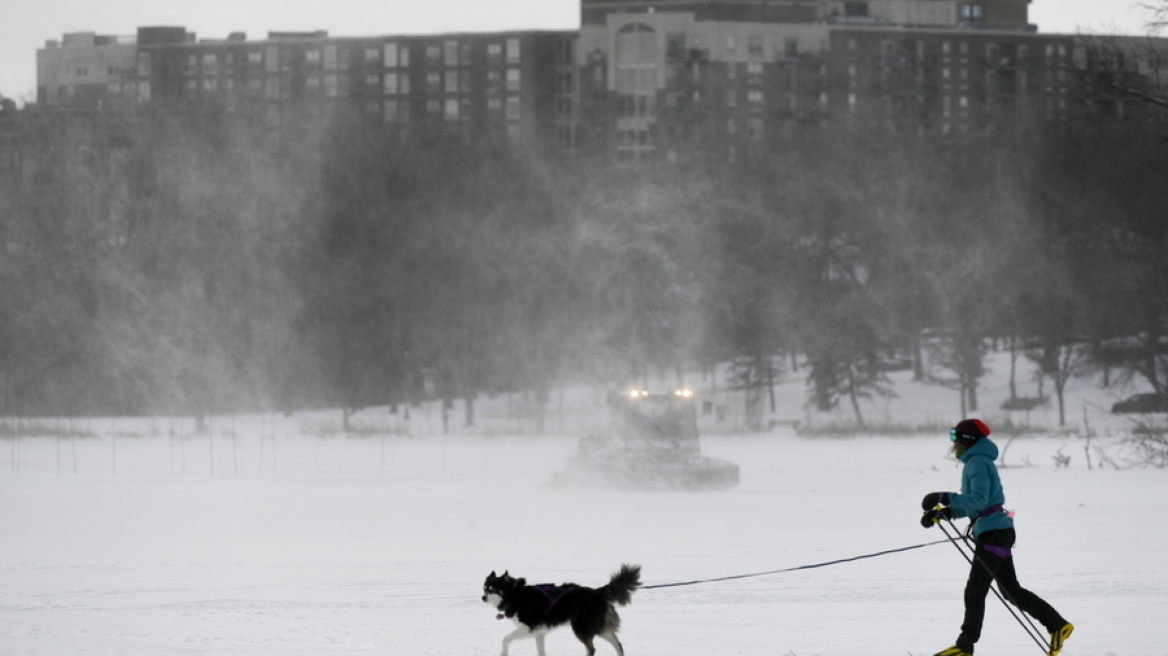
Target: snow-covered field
262,538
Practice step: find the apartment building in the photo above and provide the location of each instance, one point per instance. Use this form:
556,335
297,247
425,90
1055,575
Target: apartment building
662,78
83,68
640,79
518,84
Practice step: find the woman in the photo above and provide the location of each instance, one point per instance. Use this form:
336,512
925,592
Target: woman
992,529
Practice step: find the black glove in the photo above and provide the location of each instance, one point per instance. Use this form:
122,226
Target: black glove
935,515
934,499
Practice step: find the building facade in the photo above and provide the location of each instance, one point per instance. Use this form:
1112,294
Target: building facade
639,79
517,84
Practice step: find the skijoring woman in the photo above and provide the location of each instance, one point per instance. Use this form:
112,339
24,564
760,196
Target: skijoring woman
992,528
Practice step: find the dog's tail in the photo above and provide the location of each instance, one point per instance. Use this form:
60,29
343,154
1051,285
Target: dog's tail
624,583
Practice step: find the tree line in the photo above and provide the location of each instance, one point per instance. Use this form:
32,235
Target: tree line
175,263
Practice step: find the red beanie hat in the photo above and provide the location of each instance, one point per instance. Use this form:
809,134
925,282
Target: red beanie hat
974,427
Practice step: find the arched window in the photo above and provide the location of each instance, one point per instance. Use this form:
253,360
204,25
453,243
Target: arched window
636,88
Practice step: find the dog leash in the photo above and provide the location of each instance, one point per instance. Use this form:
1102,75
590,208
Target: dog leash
795,569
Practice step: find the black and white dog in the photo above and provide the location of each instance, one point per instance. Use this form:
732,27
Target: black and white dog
537,609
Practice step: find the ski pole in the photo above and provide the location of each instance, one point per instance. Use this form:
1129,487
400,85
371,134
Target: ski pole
1028,628
973,550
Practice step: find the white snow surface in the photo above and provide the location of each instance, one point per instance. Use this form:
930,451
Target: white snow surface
269,535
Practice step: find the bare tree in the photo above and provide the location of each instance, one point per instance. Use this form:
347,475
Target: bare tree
1135,68
1158,19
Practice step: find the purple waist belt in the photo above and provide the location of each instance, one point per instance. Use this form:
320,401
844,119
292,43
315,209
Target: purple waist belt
1000,552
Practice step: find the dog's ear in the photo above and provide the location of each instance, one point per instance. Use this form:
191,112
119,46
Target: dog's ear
492,575
520,583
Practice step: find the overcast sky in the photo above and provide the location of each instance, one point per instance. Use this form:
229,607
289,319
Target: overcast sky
26,24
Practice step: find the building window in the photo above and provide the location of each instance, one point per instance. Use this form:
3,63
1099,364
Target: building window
512,51
389,83
451,109
330,58
372,54
494,81
993,54
791,48
451,81
755,46
675,47
494,54
791,79
512,109
513,80
451,51
973,13
433,82
389,55
754,72
754,100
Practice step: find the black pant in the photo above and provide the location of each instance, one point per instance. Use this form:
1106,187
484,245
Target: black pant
988,567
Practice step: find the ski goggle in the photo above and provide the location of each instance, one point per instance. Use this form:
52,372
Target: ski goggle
955,435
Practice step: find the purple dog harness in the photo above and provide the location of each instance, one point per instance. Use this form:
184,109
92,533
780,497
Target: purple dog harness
553,593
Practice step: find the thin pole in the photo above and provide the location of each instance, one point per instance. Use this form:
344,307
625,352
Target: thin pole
1026,625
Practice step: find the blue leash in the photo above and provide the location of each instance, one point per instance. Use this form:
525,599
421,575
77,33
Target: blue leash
795,569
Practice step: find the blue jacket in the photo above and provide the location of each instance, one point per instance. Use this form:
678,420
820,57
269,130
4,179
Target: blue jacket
981,489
